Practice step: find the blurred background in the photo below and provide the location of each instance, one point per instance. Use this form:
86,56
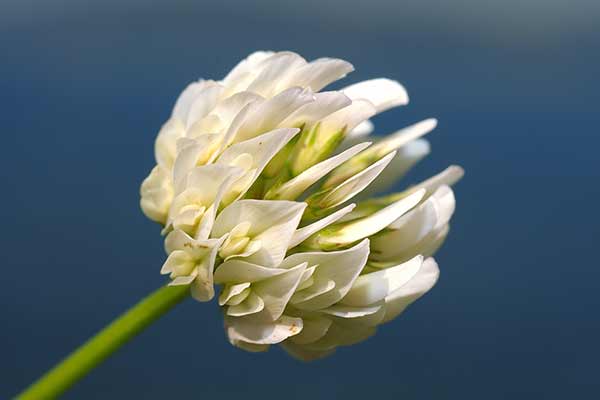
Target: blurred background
85,86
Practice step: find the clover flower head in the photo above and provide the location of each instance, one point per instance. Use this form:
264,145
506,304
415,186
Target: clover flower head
253,186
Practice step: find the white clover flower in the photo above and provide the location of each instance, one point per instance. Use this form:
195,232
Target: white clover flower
253,178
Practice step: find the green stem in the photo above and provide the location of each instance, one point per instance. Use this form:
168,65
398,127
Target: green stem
104,343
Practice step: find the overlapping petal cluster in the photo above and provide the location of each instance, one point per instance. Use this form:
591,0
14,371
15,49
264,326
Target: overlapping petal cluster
253,179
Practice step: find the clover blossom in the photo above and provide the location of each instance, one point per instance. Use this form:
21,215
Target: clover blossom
252,186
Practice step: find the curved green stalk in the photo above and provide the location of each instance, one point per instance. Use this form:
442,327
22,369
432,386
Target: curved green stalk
104,343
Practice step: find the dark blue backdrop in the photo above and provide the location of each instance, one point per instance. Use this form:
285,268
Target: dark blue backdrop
84,87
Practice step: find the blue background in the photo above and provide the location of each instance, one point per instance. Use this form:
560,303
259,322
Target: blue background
85,86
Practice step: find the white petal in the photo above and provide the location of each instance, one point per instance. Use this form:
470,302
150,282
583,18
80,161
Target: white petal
421,283
319,287
361,130
319,73
270,113
407,156
296,186
246,69
230,291
345,311
238,271
315,327
258,151
448,177
382,93
324,104
273,223
380,149
165,147
274,70
305,232
182,280
358,229
342,267
187,97
276,291
349,188
177,259
157,194
375,286
230,107
252,305
193,152
349,117
205,100
252,330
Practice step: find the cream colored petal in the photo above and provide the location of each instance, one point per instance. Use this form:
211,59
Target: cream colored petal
269,114
275,69
276,291
293,188
230,107
346,311
305,232
350,232
191,153
245,70
349,188
177,260
376,286
272,222
205,101
251,329
406,157
382,93
415,226
230,291
342,267
448,177
251,305
156,195
318,288
349,117
343,335
187,98
250,347
378,150
324,104
314,328
238,271
420,284
182,280
165,147
261,148
319,73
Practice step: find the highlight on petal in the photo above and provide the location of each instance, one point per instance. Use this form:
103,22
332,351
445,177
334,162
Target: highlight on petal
346,233
382,93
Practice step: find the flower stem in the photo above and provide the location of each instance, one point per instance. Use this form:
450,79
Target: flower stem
104,343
